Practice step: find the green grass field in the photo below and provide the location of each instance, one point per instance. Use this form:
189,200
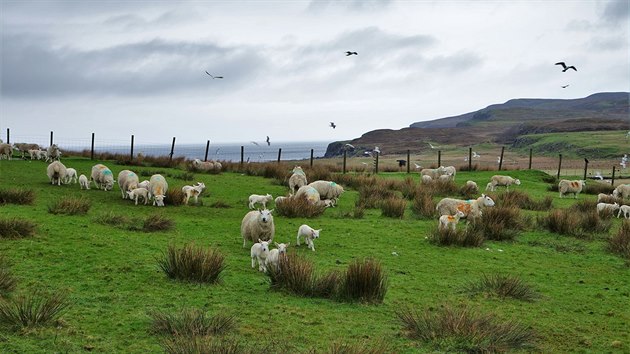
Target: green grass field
113,281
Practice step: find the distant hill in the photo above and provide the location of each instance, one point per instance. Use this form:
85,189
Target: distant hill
501,124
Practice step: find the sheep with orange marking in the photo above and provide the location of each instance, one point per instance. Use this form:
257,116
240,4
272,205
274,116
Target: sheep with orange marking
575,187
473,207
157,189
450,221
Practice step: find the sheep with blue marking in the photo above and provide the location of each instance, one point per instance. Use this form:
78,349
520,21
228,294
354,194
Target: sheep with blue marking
127,181
102,177
327,189
157,189
297,179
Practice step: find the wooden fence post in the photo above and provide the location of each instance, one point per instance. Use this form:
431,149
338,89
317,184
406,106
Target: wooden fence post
439,158
311,157
376,164
92,148
131,151
172,150
345,155
408,161
469,159
242,154
530,159
559,165
51,138
501,157
279,153
8,136
585,168
612,180
205,158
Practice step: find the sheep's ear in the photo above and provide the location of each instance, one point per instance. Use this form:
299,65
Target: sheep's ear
288,243
260,211
276,243
259,241
320,230
271,211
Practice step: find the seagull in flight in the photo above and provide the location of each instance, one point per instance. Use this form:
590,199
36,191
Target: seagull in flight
431,145
217,152
255,143
268,142
565,86
565,67
333,125
349,145
351,53
214,77
417,166
377,150
475,155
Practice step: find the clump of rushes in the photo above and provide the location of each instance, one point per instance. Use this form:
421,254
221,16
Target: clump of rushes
192,263
17,196
70,206
14,228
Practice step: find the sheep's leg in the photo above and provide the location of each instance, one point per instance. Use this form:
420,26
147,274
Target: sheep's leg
253,262
298,239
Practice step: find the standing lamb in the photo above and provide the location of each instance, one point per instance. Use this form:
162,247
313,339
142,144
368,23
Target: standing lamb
499,180
625,209
448,171
127,181
575,187
258,224
611,208
71,175
297,179
434,173
622,191
136,193
259,253
56,172
83,182
327,189
450,206
450,221
54,153
274,255
157,189
256,198
309,235
102,177
193,191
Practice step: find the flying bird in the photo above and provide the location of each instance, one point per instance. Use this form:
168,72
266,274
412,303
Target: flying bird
475,155
598,175
417,166
214,77
377,150
255,143
565,86
431,145
349,145
268,142
565,67
333,125
351,53
217,152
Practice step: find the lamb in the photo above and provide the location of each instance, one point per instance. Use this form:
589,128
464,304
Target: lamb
102,177
451,221
472,186
309,235
622,191
607,207
312,195
54,153
144,184
6,151
575,187
446,178
434,173
193,191
71,175
450,206
259,253
256,198
426,179
297,179
34,154
83,182
206,165
625,209
258,224
127,181
56,172
157,189
448,171
499,180
25,148
327,189
274,255
136,193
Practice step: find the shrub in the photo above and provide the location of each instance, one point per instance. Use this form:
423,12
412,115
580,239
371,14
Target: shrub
523,201
583,206
299,207
174,196
192,263
294,275
469,237
371,195
32,309
327,286
70,206
157,222
499,223
592,223
14,228
408,187
17,196
464,330
364,281
423,205
442,188
560,222
620,242
110,218
503,286
7,280
596,188
394,207
191,322
573,223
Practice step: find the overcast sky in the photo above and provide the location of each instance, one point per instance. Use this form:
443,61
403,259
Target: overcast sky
118,68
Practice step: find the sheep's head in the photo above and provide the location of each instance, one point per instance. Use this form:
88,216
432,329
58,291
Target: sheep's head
517,182
460,214
265,215
315,233
487,201
108,185
282,247
130,193
264,245
159,200
615,193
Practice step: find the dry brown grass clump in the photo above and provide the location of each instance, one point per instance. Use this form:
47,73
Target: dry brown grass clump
394,207
441,188
499,223
174,196
523,201
468,237
423,205
502,286
299,207
70,206
192,263
364,281
619,243
191,322
571,222
17,196
157,222
371,195
14,228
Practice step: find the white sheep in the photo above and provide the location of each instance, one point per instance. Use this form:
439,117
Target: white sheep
603,196
136,193
258,224
446,178
71,175
625,209
83,182
297,179
144,184
327,189
157,189
472,186
24,148
312,195
274,255
281,199
256,198
6,151
434,173
473,207
309,235
451,221
622,191
53,153
426,179
499,180
259,253
206,165
448,170
127,181
575,187
102,177
193,191
607,207
34,154
56,172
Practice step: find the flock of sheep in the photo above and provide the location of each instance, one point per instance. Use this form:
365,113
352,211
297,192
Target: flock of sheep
33,150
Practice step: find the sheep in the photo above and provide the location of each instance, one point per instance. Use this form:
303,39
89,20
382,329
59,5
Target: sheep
53,153
256,198
448,170
451,221
622,191
434,173
157,189
127,181
71,175
450,206
625,209
309,235
297,179
312,195
327,189
472,186
603,196
83,182
329,203
274,255
102,177
259,253
575,187
258,224
427,179
193,191
6,151
499,180
25,148
446,178
135,193
56,172
281,199
612,208
206,165
34,154
144,184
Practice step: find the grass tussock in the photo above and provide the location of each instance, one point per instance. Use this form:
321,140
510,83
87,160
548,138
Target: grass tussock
394,207
584,206
112,219
70,206
468,237
451,329
7,281
499,223
151,223
408,187
220,205
371,195
218,345
294,275
619,243
469,191
34,309
15,228
379,347
503,286
174,197
593,187
364,281
441,188
523,201
423,205
157,222
573,223
191,322
17,196
192,263
321,172
299,207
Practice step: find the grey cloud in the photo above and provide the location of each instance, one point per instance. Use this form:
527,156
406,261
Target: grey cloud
616,11
352,5
460,61
608,43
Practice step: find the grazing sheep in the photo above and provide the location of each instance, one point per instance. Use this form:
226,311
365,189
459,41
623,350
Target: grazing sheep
53,153
102,177
575,187
625,209
127,181
297,179
446,178
622,191
256,198
24,148
258,224
259,253
434,173
136,193
309,235
157,189
312,195
193,191
56,172
34,154
83,182
499,180
6,151
607,207
448,171
603,196
206,165
274,255
71,175
327,189
451,221
426,179
144,184
472,186
450,206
